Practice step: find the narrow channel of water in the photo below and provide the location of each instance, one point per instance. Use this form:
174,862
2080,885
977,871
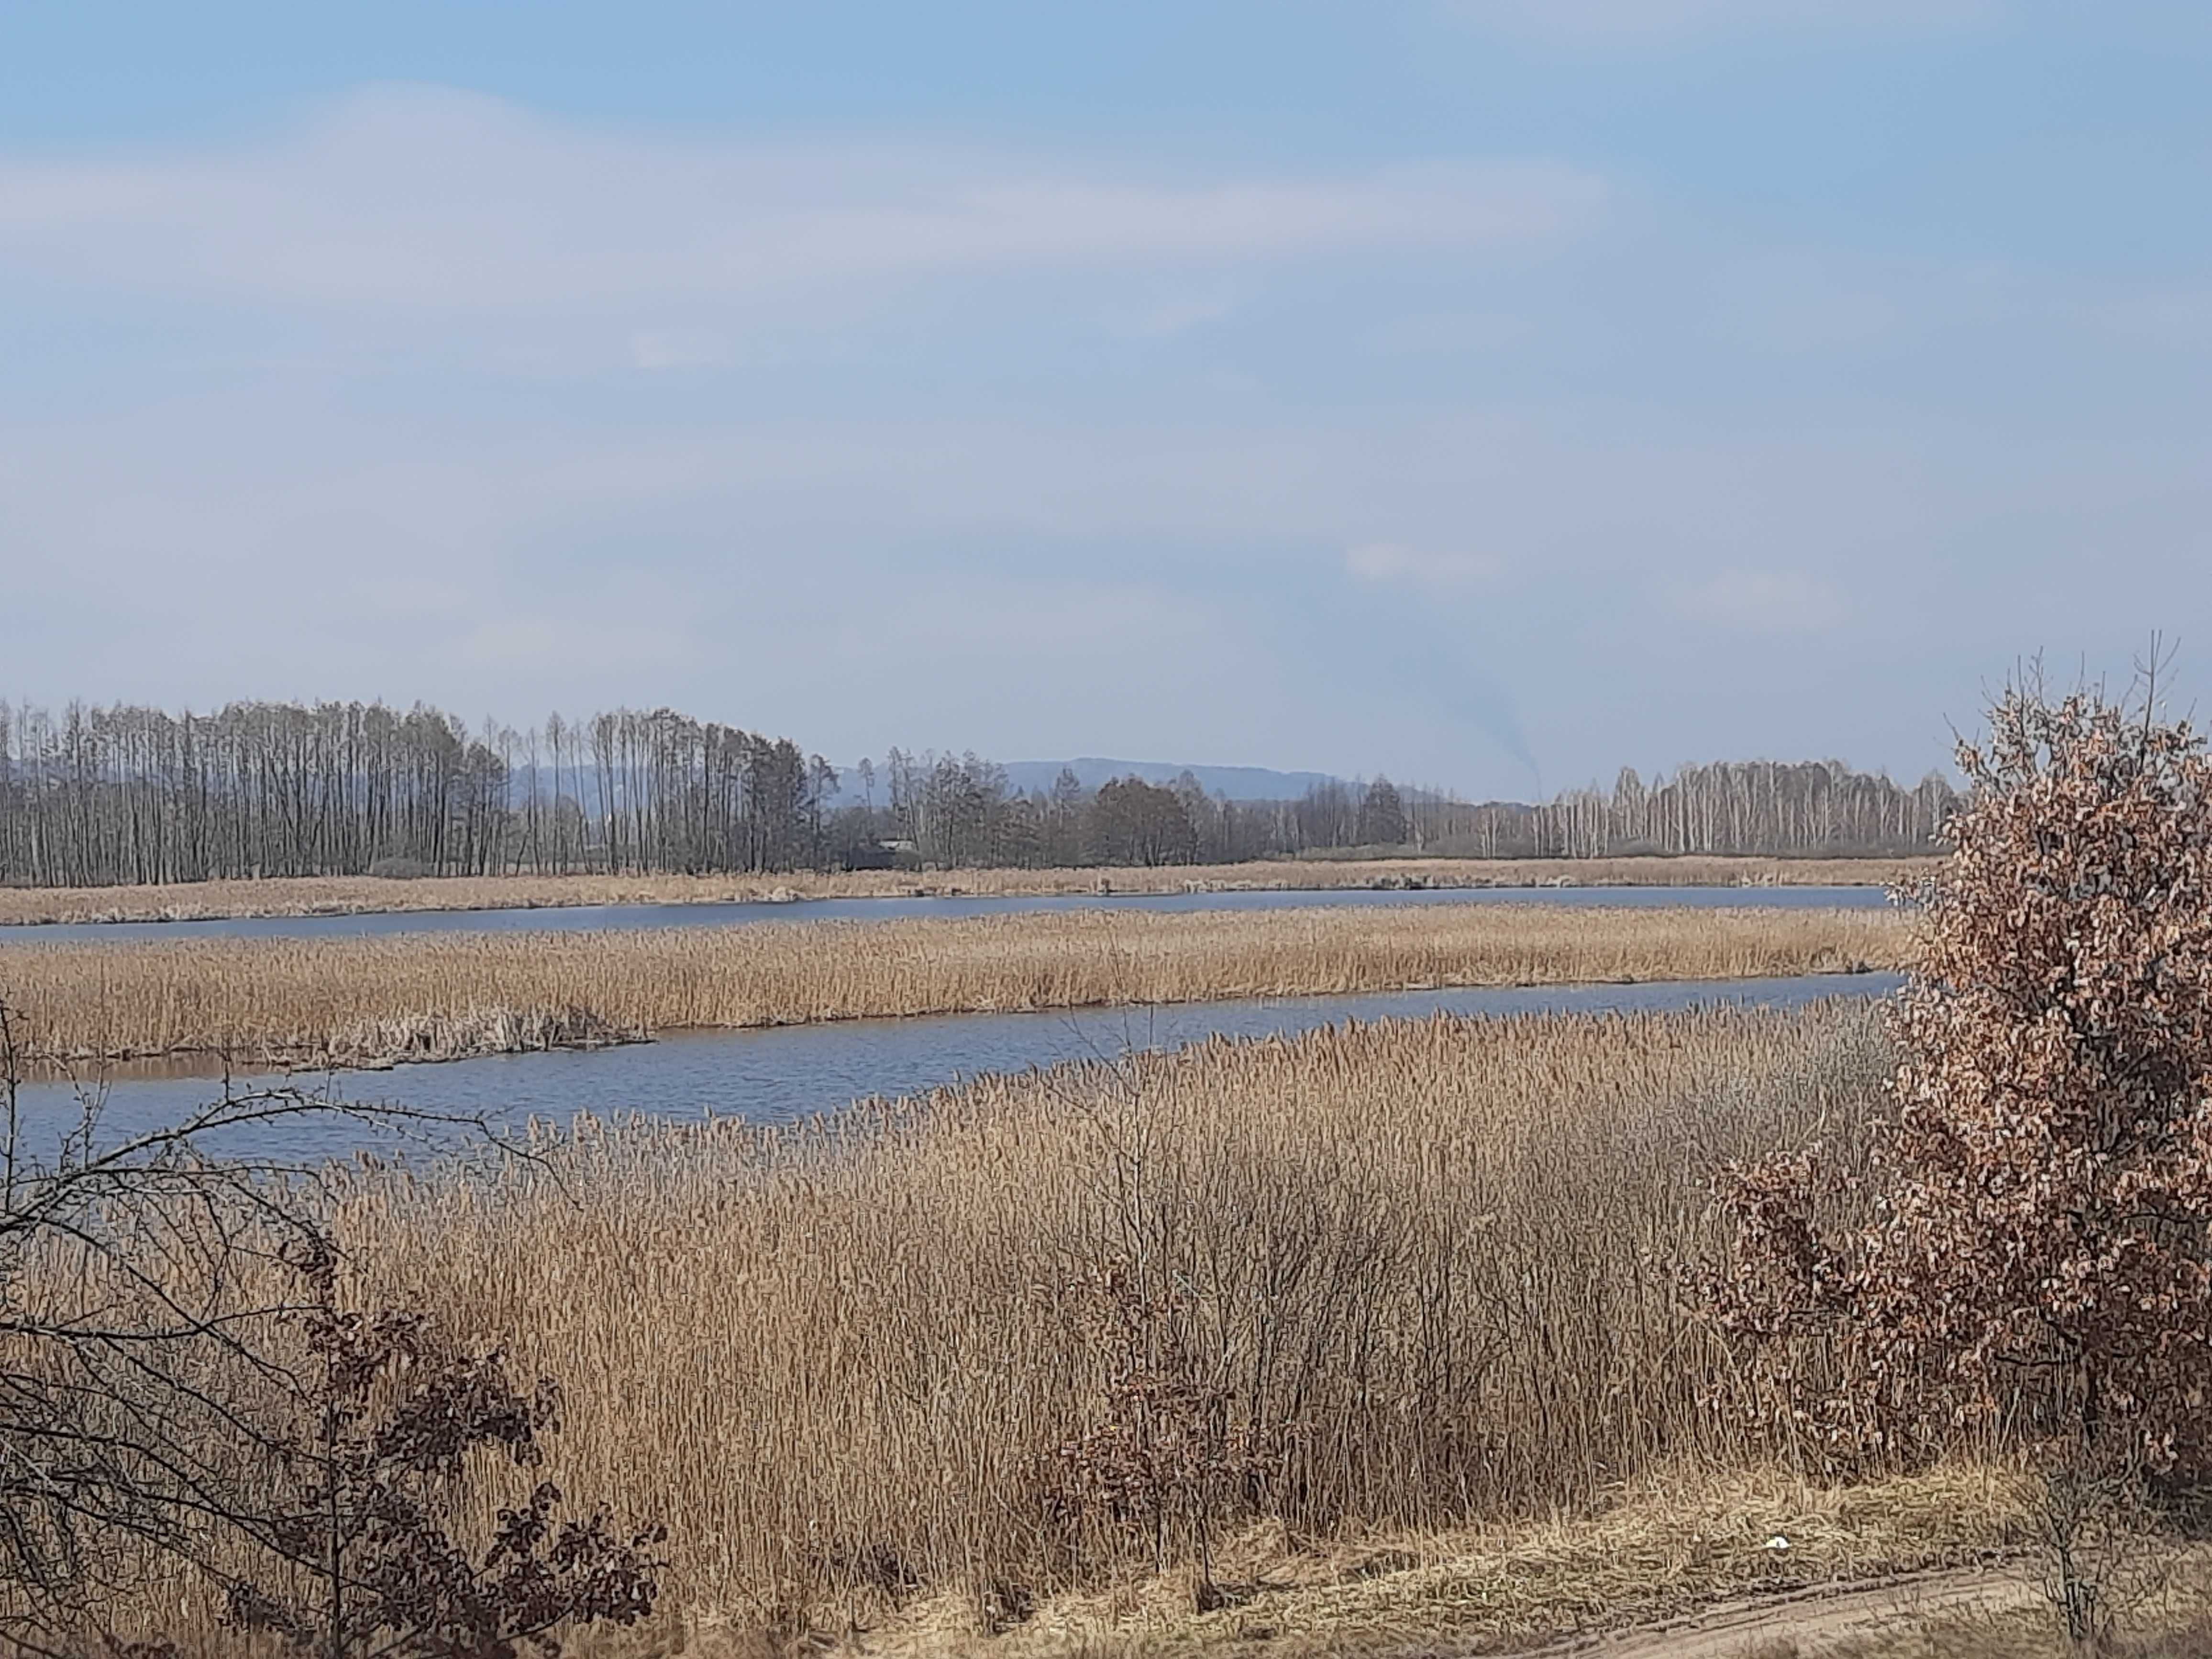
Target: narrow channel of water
588,917
792,1071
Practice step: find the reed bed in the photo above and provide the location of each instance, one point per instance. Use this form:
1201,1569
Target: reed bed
308,895
435,996
1420,1276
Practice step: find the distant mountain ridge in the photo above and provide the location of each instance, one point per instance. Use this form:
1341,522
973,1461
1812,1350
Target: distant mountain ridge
1239,783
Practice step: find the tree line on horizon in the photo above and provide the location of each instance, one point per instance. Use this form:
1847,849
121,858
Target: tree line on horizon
100,796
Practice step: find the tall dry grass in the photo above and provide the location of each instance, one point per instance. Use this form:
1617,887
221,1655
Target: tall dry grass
1407,1275
307,895
356,1001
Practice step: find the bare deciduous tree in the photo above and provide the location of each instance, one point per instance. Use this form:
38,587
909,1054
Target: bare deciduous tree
184,1405
100,796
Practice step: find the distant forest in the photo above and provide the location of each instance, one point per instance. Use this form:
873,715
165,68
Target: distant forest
101,796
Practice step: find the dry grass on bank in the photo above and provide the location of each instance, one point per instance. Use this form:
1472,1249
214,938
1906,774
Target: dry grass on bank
1661,1548
356,895
439,995
1420,1271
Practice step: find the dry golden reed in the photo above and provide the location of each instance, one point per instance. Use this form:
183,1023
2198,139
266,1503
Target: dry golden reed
1422,1271
357,1001
307,895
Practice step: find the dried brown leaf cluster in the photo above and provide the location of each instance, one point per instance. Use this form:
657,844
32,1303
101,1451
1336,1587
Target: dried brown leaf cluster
2035,1255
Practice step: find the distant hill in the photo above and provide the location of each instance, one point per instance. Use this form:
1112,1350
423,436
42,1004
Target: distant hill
1237,782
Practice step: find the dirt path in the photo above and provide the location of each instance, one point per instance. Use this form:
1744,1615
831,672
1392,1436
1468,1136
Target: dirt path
1811,1620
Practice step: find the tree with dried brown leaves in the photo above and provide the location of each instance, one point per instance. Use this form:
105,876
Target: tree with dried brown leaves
187,1401
352,1551
2033,1254
1169,1453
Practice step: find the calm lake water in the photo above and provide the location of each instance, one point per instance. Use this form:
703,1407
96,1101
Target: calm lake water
595,917
793,1071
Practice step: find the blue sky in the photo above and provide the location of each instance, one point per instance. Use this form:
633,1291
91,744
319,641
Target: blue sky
1488,392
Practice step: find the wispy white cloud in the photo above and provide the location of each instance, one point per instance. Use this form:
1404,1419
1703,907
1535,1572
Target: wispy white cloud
859,582
2176,317
934,470
541,644
1632,23
1765,602
424,198
1171,313
1389,561
658,348
1796,302
1436,333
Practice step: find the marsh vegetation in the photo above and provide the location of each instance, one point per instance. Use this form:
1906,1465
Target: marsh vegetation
310,895
1337,1339
1411,1332
1042,1331
352,1001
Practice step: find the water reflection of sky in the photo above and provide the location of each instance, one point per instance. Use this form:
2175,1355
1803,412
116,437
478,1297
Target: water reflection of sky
793,1071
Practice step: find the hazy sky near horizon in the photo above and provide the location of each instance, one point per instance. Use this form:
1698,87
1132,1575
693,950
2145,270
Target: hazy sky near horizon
1485,392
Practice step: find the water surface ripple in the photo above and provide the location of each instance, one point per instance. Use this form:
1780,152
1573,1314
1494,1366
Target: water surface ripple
785,1072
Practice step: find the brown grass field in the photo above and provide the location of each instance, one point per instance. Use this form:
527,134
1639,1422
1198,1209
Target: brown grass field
1402,1298
372,1001
357,895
